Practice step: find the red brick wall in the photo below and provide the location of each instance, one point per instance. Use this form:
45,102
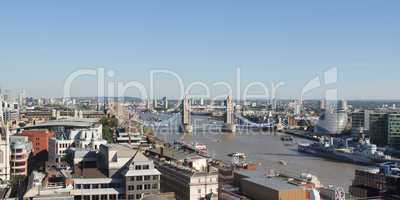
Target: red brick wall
39,139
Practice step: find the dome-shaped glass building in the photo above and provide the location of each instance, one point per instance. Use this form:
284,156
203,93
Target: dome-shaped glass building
331,122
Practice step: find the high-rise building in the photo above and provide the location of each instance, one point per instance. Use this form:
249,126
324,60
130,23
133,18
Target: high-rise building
165,102
230,125
394,130
342,105
358,124
1,112
186,123
4,153
377,128
20,149
155,103
322,105
372,124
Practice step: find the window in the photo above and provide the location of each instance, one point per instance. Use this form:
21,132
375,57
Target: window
146,167
104,185
132,178
147,187
155,186
78,186
146,178
199,191
131,197
86,186
113,197
86,197
104,197
95,197
155,177
138,196
95,186
139,187
138,167
131,187
139,178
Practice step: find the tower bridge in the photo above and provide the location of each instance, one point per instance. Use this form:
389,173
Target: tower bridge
232,118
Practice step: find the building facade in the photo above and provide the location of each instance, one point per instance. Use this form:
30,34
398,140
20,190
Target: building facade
114,172
187,184
58,148
84,138
371,124
141,178
4,154
20,150
39,140
394,131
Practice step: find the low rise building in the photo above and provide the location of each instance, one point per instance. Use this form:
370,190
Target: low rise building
84,138
130,137
40,142
187,174
113,172
58,148
377,182
259,187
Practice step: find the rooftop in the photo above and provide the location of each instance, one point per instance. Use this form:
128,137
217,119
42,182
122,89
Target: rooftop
123,150
81,123
173,153
272,183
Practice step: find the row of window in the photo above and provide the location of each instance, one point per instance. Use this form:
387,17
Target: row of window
18,157
211,180
142,167
99,197
133,197
97,186
143,187
63,145
141,178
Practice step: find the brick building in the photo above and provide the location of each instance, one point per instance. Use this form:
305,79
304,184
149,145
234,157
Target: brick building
40,143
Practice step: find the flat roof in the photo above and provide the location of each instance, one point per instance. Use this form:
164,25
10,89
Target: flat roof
71,123
142,172
98,191
272,183
174,154
88,173
250,174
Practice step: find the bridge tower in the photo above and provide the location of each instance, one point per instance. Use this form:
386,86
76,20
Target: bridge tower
186,126
230,125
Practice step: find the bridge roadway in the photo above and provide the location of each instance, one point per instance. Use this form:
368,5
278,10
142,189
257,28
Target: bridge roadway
198,122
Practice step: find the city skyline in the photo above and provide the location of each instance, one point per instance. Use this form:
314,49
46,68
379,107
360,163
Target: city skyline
42,43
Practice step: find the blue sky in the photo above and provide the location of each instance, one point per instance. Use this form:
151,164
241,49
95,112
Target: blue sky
42,42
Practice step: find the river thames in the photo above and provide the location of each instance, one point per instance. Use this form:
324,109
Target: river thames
264,148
